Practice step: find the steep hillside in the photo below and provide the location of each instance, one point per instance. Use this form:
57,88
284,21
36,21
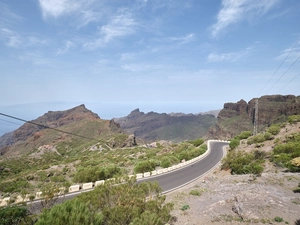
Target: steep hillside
174,127
79,121
237,117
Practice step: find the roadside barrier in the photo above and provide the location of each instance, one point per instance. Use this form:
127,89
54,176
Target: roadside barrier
90,185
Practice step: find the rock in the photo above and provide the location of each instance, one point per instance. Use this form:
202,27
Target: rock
130,141
6,170
237,117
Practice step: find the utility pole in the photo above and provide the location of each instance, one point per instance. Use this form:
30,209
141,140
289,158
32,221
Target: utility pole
255,117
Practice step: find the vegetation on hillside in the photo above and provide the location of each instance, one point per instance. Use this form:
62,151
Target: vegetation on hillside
286,152
75,162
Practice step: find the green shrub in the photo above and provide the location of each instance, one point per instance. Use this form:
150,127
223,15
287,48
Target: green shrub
242,163
234,143
185,207
145,166
165,162
256,139
281,159
126,203
16,185
197,142
294,119
12,215
70,212
94,173
268,136
278,219
274,129
195,192
244,135
203,147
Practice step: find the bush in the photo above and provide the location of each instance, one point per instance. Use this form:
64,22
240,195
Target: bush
242,163
274,129
126,203
185,207
94,173
70,212
234,143
294,119
165,162
195,192
278,219
244,135
268,136
256,139
145,166
197,142
12,215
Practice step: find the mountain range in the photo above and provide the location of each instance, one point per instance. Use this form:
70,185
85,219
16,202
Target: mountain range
147,127
174,127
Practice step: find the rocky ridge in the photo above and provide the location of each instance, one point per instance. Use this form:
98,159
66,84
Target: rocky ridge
237,117
175,127
78,120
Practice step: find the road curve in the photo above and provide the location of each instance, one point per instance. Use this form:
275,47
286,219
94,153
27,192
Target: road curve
178,178
167,181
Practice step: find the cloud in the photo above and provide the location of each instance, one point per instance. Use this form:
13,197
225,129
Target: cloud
234,11
186,39
13,39
289,54
16,40
68,45
57,8
7,16
83,10
230,57
120,25
33,58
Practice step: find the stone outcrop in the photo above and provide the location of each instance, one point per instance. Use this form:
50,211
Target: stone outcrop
237,117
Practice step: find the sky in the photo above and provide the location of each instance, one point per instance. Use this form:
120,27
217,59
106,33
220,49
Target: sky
157,55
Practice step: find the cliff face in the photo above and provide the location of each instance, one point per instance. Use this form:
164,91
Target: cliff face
237,117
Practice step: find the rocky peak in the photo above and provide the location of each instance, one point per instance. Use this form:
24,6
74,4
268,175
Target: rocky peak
233,109
135,113
53,119
237,117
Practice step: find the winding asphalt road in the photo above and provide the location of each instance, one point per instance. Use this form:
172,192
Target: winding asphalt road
180,177
172,180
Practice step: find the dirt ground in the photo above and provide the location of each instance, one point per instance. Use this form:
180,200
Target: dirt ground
222,198
239,199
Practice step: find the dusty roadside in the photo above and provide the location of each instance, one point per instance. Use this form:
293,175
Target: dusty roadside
222,198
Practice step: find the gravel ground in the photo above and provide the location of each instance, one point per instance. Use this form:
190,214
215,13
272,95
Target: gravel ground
239,199
221,198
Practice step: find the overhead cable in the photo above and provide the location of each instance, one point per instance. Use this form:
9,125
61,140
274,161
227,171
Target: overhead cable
279,67
289,82
46,127
284,73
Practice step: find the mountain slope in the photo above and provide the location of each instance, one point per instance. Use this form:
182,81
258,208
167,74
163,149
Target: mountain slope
155,126
237,117
79,121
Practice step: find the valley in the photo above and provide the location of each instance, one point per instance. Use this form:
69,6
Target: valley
76,146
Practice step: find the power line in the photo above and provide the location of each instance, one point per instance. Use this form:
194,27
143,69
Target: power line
279,67
10,122
284,73
289,82
46,127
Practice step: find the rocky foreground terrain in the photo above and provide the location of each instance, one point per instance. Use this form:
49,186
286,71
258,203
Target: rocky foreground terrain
239,199
222,198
